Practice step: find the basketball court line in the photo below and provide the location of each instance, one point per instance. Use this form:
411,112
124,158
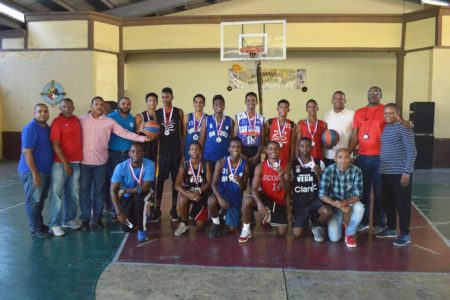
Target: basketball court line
119,250
427,249
11,207
444,239
9,184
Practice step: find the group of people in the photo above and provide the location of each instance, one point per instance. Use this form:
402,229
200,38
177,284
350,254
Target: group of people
215,163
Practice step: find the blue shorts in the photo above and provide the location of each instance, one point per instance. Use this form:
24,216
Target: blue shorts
233,217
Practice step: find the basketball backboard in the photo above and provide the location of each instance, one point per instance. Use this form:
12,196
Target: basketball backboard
253,40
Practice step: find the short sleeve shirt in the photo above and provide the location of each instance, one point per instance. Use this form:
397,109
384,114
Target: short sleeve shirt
122,173
370,122
116,143
68,132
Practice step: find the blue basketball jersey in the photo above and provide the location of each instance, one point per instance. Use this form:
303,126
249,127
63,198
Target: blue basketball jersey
250,131
213,149
191,134
228,189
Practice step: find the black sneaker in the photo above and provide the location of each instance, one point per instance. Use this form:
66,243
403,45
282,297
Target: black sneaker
174,215
100,224
44,228
40,234
85,226
156,215
215,231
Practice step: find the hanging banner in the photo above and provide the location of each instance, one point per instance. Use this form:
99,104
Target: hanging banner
271,78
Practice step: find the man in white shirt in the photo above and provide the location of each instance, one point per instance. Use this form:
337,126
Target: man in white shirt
340,119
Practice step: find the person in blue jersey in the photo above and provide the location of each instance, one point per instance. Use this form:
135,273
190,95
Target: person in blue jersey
397,156
195,125
250,130
228,185
129,184
219,130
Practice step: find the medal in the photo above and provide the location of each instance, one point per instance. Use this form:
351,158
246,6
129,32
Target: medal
314,133
195,137
281,144
218,139
281,131
366,136
199,190
196,175
167,121
311,163
313,144
166,132
274,165
233,174
197,125
141,174
251,128
231,177
219,128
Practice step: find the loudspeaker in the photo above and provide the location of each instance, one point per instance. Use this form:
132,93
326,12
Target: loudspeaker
422,114
424,146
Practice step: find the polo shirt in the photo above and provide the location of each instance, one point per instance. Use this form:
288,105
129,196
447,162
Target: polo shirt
342,123
68,132
369,120
122,173
116,143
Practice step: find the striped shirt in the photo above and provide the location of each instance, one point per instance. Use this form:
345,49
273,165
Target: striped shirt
398,150
340,185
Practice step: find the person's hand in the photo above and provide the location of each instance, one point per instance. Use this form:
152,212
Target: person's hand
68,169
346,209
223,204
253,160
36,179
317,170
141,127
262,209
404,180
120,193
121,218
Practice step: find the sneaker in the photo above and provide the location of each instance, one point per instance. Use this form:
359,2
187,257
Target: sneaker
142,236
215,231
44,228
156,215
318,234
245,235
85,226
403,239
56,230
72,224
182,228
350,241
387,233
174,215
40,234
379,229
100,224
363,227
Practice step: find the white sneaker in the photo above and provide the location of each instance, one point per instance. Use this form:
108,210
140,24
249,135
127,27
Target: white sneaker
57,230
245,235
318,233
72,224
182,228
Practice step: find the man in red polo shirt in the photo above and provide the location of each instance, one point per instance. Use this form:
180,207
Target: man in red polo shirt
65,135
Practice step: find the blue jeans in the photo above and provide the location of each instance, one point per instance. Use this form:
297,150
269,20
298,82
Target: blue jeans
370,167
335,223
97,175
34,199
64,186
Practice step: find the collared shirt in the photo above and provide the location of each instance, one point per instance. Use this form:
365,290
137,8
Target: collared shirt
370,122
122,173
340,185
342,123
96,135
116,143
398,150
68,132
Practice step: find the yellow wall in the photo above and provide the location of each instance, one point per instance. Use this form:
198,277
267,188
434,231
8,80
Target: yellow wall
446,31
13,43
440,93
57,34
106,37
420,34
105,75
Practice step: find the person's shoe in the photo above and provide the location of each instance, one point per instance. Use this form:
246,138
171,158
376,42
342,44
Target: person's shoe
56,230
174,215
245,236
350,241
403,240
99,223
363,227
215,231
40,234
142,236
379,229
318,234
44,228
72,224
85,226
156,215
387,233
182,228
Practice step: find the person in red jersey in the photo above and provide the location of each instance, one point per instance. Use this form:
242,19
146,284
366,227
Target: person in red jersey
312,128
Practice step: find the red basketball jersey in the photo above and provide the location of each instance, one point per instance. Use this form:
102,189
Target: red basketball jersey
283,138
315,135
271,183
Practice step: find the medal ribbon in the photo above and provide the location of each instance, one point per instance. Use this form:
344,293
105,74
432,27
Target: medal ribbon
199,170
252,126
281,130
272,165
219,127
230,168
304,165
309,130
197,125
167,122
141,173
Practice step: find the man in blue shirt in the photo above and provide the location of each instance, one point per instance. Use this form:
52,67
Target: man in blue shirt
34,168
342,188
129,184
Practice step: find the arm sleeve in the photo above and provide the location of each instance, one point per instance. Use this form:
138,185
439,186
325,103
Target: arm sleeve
55,132
325,183
410,148
117,174
355,123
29,138
123,133
149,174
358,183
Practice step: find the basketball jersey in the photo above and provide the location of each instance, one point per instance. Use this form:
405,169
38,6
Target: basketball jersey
250,131
228,189
191,134
189,177
306,184
283,138
315,137
170,137
214,150
271,183
150,148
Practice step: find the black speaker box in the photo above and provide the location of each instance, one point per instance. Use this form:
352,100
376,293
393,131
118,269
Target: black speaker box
422,114
424,146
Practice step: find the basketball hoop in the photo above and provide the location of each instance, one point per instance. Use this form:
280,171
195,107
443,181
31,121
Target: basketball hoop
253,53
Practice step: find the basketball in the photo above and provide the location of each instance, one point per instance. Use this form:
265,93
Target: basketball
330,138
151,129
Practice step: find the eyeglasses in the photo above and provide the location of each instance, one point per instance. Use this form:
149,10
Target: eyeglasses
374,93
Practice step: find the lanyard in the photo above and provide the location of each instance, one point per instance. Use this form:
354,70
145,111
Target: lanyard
304,165
167,122
197,125
230,168
274,165
141,173
199,170
309,130
219,127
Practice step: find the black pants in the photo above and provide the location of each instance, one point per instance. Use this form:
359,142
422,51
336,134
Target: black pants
167,164
133,208
250,151
396,199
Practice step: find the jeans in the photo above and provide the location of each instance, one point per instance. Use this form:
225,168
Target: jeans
370,167
114,158
335,223
92,174
64,186
34,199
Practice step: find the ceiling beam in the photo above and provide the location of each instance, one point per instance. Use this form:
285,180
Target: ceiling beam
108,4
147,7
9,23
15,5
64,5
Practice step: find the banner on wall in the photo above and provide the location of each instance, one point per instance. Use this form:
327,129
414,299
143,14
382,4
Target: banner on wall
271,78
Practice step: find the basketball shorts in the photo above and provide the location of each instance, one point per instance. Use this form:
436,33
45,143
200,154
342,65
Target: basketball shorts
303,215
278,212
199,209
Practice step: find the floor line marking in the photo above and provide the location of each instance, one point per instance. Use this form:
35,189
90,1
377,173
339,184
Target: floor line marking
441,223
122,245
427,249
145,243
12,183
11,207
433,197
444,239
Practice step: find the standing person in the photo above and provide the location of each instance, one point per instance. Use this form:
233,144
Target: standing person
129,184
250,129
282,130
397,157
341,187
193,183
312,128
65,135
219,129
170,151
194,125
34,168
368,125
306,204
339,118
151,147
228,185
270,193
96,131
